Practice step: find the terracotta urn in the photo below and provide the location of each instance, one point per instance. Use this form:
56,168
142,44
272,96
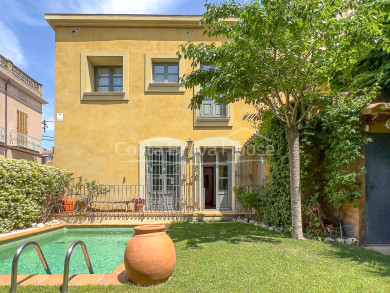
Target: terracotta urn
150,255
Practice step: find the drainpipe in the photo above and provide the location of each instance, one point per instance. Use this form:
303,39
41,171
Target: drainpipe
6,118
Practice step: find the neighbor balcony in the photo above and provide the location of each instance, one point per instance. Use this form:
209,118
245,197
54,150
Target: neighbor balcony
24,141
2,135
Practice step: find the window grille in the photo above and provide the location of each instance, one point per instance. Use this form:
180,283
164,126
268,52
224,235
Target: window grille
163,178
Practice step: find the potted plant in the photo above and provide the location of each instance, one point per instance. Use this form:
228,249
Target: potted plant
138,204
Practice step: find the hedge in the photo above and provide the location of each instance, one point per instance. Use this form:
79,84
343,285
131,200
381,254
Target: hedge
25,191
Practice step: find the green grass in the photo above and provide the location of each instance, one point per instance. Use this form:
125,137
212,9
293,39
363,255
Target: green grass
244,258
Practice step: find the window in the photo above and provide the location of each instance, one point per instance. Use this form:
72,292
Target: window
162,72
166,72
104,76
210,108
108,79
22,122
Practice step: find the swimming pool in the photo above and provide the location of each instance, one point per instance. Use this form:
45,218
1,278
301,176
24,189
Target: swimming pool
106,247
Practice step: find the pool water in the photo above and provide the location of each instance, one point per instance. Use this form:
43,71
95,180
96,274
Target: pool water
106,247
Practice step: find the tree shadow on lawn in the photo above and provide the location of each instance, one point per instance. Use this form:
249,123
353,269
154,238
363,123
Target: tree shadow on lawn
233,233
371,261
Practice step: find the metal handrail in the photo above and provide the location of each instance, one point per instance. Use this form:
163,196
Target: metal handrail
64,287
14,279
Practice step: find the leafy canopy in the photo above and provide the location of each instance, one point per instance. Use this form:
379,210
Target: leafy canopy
281,54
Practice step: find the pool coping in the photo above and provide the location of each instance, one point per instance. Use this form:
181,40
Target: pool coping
118,277
54,227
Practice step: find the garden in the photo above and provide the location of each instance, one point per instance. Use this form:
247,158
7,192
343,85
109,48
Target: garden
234,257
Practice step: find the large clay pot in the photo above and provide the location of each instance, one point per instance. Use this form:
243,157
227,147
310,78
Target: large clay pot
150,256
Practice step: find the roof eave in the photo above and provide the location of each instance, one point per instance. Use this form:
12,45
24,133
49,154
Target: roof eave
120,20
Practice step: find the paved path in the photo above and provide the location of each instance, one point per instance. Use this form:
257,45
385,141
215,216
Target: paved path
381,249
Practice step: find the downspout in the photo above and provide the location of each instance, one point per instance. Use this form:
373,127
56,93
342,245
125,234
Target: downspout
6,118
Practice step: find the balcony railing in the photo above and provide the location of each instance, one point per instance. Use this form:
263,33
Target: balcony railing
2,135
19,74
25,141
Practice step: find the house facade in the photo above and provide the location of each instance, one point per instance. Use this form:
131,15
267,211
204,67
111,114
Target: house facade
21,103
123,118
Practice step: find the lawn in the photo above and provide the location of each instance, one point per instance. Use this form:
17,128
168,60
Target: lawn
232,257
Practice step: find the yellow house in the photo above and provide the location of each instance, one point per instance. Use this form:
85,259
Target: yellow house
123,119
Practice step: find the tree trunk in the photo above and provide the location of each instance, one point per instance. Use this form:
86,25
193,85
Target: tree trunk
295,181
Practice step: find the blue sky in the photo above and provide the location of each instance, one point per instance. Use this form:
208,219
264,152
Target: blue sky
28,40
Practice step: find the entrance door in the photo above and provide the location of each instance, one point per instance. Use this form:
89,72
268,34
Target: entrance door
378,190
209,187
223,175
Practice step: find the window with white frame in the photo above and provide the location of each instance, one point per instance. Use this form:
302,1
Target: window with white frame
210,108
163,178
108,79
164,72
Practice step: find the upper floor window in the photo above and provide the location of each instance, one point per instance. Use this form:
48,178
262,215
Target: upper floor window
166,72
209,107
22,122
108,79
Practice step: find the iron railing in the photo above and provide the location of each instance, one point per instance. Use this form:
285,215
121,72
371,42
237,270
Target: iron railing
106,199
22,140
2,135
131,199
20,74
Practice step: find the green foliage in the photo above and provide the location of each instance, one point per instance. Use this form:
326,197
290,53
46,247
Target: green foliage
272,201
276,48
86,192
280,56
331,148
25,188
246,199
331,144
373,70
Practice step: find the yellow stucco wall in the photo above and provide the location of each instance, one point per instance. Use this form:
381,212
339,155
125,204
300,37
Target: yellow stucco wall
100,139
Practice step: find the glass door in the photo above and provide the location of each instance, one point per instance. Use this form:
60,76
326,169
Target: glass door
224,179
163,175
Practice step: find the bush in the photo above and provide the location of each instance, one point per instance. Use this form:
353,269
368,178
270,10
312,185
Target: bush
331,144
272,201
25,189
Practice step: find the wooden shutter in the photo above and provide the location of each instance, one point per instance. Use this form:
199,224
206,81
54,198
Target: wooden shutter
22,122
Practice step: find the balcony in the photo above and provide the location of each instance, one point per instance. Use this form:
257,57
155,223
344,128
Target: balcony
2,135
25,141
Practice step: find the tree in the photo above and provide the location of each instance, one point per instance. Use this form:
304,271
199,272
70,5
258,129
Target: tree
280,55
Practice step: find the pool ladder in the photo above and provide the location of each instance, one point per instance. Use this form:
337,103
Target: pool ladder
64,287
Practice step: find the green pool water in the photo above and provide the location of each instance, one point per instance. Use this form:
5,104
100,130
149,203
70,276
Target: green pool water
106,247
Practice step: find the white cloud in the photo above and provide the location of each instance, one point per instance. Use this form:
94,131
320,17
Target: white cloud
10,47
112,6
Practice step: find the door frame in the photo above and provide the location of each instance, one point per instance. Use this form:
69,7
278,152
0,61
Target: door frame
213,183
231,166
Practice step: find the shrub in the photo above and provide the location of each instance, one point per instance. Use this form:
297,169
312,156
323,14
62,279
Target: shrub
26,188
331,144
